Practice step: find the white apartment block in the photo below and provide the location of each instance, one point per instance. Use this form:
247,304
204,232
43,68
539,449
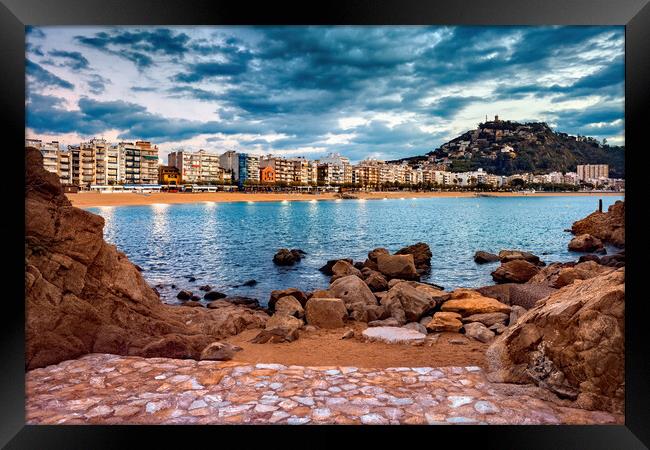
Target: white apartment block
197,167
334,169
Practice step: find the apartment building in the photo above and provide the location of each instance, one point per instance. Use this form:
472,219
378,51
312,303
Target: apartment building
229,161
197,167
303,171
282,167
248,168
592,171
367,172
334,169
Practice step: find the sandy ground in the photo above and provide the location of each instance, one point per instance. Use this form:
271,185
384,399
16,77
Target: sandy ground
326,348
90,199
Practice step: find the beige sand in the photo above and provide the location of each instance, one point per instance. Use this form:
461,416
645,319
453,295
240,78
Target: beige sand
326,348
90,199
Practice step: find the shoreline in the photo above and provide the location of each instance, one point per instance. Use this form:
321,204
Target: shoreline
96,199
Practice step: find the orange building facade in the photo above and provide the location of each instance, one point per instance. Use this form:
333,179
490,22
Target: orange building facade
267,175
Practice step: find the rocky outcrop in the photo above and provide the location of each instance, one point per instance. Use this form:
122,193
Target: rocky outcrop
83,296
421,256
559,275
585,243
290,306
279,328
525,295
375,281
608,226
356,296
397,266
286,257
515,271
327,268
478,331
279,293
572,344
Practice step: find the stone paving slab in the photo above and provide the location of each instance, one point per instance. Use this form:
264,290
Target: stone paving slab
109,389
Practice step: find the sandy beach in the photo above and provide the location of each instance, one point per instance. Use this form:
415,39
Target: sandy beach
91,199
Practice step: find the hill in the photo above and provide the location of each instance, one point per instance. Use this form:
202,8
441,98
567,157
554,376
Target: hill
505,148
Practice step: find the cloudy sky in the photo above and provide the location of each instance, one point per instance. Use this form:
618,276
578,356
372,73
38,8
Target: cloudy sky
384,92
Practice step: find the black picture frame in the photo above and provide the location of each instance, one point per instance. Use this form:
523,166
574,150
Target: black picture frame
16,14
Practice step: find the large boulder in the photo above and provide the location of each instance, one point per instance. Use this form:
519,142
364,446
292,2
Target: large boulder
397,266
342,269
585,243
356,296
445,321
525,295
515,271
286,257
326,312
572,344
467,302
83,296
481,257
279,328
405,303
290,306
421,256
513,255
608,226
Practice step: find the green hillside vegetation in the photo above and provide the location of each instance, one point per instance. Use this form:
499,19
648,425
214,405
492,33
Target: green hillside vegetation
536,149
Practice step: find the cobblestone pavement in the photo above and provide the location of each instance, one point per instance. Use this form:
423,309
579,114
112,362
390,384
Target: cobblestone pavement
109,389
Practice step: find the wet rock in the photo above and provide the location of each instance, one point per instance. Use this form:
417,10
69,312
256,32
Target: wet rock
358,265
397,266
218,351
138,268
467,302
487,319
327,268
515,271
244,301
572,344
184,295
195,298
478,331
585,258
290,306
191,279
374,254
214,295
286,257
326,312
421,256
615,260
481,257
513,255
445,321
205,287
585,243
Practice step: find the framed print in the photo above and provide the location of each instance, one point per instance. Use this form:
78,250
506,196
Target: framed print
366,217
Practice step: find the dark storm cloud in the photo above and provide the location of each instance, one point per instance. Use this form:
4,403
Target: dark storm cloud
74,60
42,78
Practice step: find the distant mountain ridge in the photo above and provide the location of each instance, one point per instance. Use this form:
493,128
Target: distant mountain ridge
504,148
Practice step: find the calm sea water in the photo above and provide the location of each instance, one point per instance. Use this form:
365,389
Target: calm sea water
225,244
